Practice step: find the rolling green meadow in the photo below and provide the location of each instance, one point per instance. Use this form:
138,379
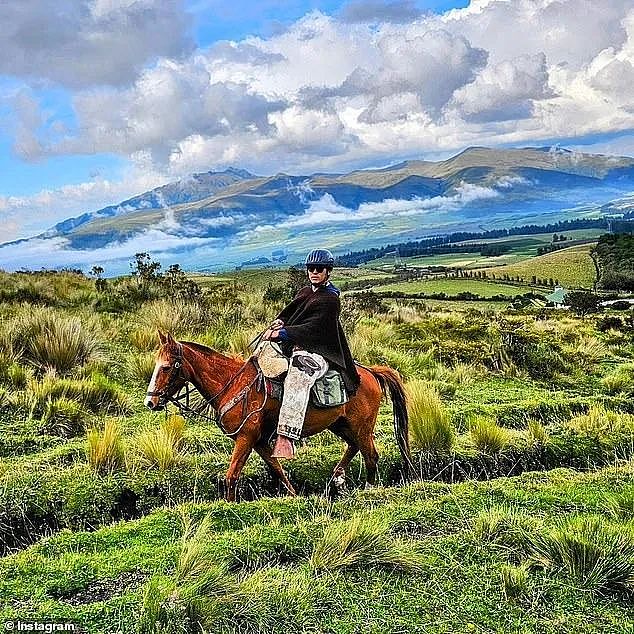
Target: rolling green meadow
518,518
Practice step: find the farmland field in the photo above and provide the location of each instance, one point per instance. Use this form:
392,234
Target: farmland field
453,286
572,267
111,517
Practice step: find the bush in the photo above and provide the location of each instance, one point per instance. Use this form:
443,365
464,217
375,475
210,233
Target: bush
489,437
105,450
600,557
429,421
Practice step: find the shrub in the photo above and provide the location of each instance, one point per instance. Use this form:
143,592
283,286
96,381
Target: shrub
161,448
50,341
362,542
489,437
105,450
600,557
429,421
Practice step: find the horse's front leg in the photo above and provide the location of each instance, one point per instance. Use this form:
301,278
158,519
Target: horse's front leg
241,452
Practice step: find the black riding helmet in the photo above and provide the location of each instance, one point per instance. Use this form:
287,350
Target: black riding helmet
320,256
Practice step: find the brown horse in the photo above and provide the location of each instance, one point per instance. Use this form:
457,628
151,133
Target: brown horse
233,389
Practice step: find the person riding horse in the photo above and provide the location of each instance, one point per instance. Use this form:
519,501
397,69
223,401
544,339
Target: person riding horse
309,328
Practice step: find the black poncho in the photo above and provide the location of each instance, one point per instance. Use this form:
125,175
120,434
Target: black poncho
311,320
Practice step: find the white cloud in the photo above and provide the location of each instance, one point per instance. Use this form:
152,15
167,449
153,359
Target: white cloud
325,94
80,43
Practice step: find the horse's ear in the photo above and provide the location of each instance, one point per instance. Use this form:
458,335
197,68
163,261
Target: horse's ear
169,338
161,336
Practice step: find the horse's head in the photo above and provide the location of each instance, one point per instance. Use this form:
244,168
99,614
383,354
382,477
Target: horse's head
168,376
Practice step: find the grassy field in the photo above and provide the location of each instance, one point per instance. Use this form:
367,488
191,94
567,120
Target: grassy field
111,517
573,267
520,248
453,286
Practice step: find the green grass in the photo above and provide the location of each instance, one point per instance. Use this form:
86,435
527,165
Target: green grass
456,587
572,267
453,286
81,555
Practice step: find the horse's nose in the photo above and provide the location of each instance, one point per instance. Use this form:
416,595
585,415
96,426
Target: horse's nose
150,404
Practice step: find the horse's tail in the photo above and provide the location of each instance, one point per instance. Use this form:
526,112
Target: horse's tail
391,382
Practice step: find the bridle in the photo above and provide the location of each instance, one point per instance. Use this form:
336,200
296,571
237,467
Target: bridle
181,400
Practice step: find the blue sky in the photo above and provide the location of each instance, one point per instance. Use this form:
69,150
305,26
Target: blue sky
110,97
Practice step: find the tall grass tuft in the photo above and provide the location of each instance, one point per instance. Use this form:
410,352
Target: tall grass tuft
504,525
162,448
362,541
50,341
601,422
536,434
144,339
430,424
105,450
514,581
488,436
63,417
200,579
619,382
176,317
599,556
140,367
97,394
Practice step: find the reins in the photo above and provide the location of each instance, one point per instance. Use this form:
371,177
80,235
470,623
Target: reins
184,407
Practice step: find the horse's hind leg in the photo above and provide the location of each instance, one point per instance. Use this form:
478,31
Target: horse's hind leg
265,452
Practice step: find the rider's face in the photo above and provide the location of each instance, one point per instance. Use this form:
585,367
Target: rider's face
316,276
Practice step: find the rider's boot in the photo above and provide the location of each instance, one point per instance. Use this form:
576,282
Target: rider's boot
284,448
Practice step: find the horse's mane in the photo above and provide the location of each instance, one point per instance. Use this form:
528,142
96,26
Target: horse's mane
207,350
199,346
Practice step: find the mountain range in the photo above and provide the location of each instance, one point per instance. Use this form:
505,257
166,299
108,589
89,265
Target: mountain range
218,218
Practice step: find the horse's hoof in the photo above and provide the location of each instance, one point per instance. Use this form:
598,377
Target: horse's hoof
368,486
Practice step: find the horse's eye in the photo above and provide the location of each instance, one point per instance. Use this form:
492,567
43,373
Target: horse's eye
165,368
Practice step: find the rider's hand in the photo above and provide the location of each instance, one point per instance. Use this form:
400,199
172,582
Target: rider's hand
267,335
276,325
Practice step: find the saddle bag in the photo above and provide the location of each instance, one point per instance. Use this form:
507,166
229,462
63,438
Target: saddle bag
329,391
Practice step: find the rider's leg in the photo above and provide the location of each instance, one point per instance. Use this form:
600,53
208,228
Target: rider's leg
305,368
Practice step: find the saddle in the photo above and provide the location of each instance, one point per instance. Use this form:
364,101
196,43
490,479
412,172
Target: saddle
328,391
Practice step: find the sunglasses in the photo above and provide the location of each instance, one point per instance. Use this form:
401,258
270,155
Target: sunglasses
315,268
